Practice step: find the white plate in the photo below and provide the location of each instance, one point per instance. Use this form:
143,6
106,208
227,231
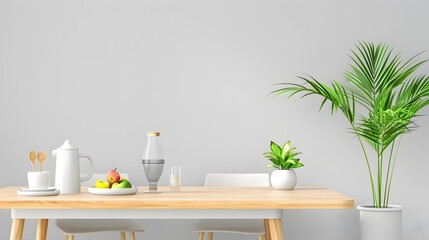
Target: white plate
38,190
39,193
113,191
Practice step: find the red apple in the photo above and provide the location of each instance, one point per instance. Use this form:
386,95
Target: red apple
113,176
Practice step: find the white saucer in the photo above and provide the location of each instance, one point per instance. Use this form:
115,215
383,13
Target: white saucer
38,190
39,193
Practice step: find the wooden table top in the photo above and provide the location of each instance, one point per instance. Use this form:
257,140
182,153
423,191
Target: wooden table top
187,198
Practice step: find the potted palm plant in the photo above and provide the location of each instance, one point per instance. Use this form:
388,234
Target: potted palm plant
380,99
284,159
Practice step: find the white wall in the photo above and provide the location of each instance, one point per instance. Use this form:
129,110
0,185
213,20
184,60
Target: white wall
102,73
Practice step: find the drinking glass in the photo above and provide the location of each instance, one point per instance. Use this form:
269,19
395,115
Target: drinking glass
175,178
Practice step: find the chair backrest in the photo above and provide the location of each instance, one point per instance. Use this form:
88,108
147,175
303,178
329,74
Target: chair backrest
237,180
96,176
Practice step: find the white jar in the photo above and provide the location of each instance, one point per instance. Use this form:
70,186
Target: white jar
283,179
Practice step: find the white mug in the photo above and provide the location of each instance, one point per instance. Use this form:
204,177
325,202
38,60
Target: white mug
38,180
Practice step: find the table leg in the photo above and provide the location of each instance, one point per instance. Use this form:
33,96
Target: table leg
274,227
267,229
201,236
17,229
42,229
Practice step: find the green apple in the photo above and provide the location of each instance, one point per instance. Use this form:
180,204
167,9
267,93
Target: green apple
123,183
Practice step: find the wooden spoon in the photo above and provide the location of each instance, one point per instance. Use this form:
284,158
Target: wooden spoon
41,156
32,158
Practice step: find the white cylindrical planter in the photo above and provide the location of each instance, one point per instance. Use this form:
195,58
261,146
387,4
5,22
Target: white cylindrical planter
380,223
283,179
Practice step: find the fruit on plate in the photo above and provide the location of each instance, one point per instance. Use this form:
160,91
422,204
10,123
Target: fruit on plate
113,176
114,180
102,184
123,183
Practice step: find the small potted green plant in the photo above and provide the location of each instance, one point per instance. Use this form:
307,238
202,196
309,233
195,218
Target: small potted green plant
285,160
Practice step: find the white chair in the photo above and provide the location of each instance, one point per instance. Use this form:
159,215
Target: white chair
252,227
72,227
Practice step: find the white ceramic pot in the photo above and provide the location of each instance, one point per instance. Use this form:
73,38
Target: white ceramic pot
380,223
283,179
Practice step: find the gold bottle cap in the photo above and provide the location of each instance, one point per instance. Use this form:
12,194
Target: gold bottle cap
153,133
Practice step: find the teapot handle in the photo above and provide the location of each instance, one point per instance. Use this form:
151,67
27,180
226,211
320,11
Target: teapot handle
92,167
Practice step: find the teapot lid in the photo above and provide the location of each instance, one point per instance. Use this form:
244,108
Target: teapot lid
67,146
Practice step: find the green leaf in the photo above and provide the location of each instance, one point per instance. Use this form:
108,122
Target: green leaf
292,155
291,161
271,166
297,165
275,149
285,149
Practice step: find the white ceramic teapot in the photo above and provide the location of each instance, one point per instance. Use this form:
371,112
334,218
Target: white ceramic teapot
67,171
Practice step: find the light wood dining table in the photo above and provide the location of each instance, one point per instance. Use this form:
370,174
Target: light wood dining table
190,203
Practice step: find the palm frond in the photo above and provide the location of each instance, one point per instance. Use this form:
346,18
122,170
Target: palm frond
339,97
415,93
382,127
376,70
